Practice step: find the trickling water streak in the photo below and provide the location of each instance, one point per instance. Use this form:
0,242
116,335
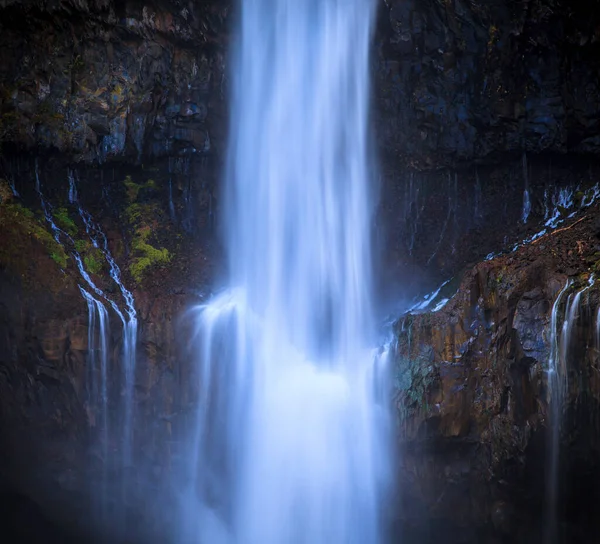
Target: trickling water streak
98,365
412,211
171,204
555,390
558,389
286,368
451,210
478,215
130,324
526,197
598,330
72,188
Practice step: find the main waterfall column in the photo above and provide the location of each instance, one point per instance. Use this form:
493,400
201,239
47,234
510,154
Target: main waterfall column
289,443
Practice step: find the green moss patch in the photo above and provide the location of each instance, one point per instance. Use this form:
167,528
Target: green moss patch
62,219
146,255
15,217
134,189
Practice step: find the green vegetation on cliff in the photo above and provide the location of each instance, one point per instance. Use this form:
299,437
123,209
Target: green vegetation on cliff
147,256
15,219
61,216
142,216
93,258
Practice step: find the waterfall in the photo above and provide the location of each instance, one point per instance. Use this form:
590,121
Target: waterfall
97,379
526,197
130,330
289,443
558,387
130,322
556,391
98,341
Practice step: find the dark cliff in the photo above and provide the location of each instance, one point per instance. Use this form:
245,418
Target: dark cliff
472,395
466,81
474,105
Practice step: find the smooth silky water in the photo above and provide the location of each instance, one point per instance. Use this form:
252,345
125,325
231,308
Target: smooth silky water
290,433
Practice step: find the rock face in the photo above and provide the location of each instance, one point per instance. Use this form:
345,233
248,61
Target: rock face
472,395
106,80
471,81
50,421
486,119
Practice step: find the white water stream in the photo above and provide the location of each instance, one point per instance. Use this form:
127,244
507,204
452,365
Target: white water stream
289,444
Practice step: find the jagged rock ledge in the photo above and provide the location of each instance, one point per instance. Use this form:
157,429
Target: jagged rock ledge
471,396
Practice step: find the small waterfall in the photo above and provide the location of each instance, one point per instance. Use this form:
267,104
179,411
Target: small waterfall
97,379
562,200
526,197
598,330
558,387
290,427
72,188
478,212
555,388
99,385
129,321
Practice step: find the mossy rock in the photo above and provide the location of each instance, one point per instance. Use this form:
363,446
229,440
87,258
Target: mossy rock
147,256
64,221
6,194
134,189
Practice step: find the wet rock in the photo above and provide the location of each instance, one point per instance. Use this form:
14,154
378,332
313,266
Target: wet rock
103,78
473,377
470,81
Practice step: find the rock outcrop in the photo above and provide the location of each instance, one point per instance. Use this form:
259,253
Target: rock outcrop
472,81
486,117
472,394
102,80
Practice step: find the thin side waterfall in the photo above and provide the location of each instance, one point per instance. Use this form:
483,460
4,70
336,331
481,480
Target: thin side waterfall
128,319
98,357
556,392
526,197
290,427
130,322
598,330
558,386
97,379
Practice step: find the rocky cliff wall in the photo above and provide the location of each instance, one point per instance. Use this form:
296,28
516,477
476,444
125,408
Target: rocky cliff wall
467,81
473,399
474,105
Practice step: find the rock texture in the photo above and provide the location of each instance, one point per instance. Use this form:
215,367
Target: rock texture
464,81
474,104
472,395
105,80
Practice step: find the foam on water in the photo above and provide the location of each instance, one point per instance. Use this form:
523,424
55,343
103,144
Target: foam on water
289,444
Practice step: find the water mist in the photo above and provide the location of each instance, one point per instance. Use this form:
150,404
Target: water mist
289,444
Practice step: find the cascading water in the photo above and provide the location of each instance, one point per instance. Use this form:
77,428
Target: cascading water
130,323
98,347
130,329
526,197
290,436
558,389
97,380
